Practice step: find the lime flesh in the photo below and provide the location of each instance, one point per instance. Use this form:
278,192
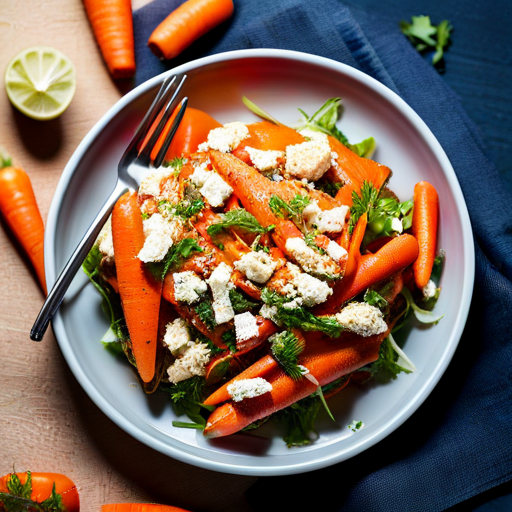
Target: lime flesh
40,82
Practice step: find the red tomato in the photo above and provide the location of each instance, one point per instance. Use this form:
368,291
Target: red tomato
42,486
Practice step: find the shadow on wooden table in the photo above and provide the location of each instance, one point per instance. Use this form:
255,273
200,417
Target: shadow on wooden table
147,472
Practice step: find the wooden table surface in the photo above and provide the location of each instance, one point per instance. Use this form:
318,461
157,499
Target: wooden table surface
47,422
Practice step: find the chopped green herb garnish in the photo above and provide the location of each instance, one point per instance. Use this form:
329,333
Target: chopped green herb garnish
240,302
185,209
205,312
176,254
229,338
187,397
362,204
286,348
238,218
292,210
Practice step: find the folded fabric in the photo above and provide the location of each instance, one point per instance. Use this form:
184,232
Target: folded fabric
458,443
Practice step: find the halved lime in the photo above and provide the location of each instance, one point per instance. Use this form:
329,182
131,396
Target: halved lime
40,82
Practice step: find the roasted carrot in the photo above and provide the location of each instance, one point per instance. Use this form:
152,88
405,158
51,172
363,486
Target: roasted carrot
397,254
19,209
112,24
354,248
424,228
186,24
326,360
139,291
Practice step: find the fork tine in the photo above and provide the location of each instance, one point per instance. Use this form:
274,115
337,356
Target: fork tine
159,159
145,151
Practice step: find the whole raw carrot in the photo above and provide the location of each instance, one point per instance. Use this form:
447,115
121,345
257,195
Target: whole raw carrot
112,24
188,22
19,209
424,228
139,291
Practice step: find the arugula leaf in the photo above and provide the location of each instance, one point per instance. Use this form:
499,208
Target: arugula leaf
176,254
111,303
292,210
286,348
427,37
238,218
365,148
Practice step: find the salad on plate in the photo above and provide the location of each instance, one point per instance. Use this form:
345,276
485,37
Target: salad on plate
263,268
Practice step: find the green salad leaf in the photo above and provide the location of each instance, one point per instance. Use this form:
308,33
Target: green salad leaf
237,218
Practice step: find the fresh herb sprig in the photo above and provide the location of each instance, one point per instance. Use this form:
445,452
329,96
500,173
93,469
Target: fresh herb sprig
286,348
238,218
428,38
176,254
185,209
293,210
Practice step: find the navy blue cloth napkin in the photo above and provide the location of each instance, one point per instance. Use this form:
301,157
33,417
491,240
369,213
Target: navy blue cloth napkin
459,442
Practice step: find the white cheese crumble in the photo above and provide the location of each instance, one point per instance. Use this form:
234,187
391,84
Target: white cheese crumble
396,225
362,319
304,289
264,160
429,290
225,138
310,159
150,184
325,221
192,362
188,286
246,326
270,313
160,234
176,336
220,285
335,251
248,388
258,266
200,175
310,260
105,242
215,190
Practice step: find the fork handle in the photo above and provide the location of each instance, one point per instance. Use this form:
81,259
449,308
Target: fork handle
56,295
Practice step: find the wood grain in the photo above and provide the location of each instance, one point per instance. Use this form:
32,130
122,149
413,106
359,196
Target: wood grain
47,422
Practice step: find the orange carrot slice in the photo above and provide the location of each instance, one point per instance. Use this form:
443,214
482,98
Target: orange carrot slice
139,291
424,228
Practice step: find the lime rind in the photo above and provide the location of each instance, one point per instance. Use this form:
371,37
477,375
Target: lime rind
40,82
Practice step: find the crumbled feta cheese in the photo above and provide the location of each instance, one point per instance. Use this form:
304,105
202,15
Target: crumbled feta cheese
310,260
304,289
215,190
335,251
396,225
310,159
192,362
200,174
188,286
264,160
325,221
246,326
105,242
150,184
220,284
248,388
429,290
269,312
361,318
225,138
258,266
176,336
160,234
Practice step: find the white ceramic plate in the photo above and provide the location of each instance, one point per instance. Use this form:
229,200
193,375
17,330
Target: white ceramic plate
280,82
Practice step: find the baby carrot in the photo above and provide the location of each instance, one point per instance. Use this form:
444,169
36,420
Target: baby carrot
139,291
21,213
424,228
112,24
188,22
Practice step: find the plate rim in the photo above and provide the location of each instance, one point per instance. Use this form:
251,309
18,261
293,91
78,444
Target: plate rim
383,430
